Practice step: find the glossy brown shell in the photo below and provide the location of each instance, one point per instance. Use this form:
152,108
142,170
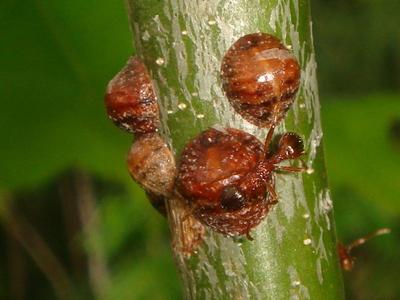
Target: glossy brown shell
260,77
130,100
151,163
209,163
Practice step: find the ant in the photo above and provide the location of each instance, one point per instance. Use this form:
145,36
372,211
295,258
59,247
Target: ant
227,177
346,260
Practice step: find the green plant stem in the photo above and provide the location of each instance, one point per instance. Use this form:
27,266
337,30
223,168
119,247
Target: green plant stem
293,255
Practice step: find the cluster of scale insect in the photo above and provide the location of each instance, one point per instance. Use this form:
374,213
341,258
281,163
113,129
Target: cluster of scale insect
132,105
224,175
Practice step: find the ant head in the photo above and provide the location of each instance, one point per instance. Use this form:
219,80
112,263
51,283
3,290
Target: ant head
290,146
346,261
232,199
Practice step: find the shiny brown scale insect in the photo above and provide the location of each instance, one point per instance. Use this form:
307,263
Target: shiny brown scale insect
225,175
260,77
130,100
151,163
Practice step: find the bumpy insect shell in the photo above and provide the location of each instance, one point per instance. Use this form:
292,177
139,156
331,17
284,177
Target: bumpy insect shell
130,99
260,78
151,163
215,160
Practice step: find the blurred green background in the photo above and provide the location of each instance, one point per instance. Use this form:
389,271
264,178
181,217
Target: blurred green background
72,223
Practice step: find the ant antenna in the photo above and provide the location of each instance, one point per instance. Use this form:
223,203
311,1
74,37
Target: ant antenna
268,139
346,260
363,240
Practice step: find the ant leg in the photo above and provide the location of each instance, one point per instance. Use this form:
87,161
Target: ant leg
268,139
292,169
303,163
303,168
272,196
248,236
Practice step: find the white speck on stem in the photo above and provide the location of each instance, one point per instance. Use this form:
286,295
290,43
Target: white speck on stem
182,106
306,216
170,112
145,36
307,242
200,116
160,61
212,22
310,171
296,283
184,32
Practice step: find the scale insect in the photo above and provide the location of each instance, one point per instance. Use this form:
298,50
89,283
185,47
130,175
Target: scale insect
260,77
132,105
130,99
225,175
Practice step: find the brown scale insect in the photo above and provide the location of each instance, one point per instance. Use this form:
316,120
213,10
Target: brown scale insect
132,105
151,163
225,174
130,99
344,251
260,78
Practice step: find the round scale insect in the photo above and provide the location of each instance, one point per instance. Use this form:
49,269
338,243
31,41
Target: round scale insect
225,175
132,105
130,99
151,163
260,77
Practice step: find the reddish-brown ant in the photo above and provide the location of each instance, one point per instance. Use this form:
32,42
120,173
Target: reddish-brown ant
346,260
225,175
